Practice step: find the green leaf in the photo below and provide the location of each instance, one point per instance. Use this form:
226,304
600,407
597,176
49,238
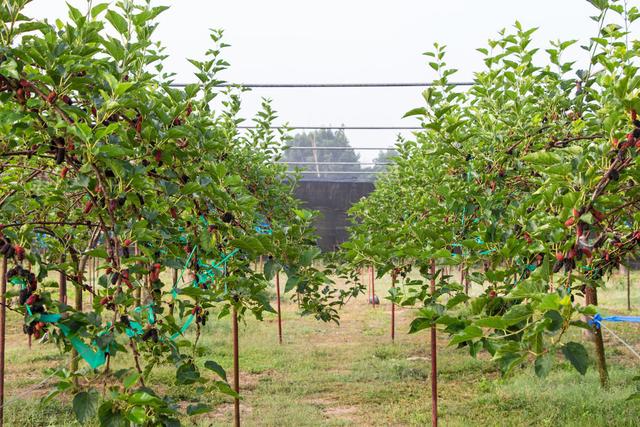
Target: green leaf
555,320
187,374
549,302
517,313
112,150
226,389
270,269
494,322
543,365
457,299
250,244
144,398
469,333
576,354
118,22
98,9
110,416
634,396
420,323
97,253
213,366
292,283
543,158
198,409
131,379
137,415
420,111
85,406
309,255
9,68
190,188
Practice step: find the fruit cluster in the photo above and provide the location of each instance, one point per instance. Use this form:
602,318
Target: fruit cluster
30,299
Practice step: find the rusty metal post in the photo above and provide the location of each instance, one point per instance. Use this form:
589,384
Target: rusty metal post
3,327
434,351
279,309
236,370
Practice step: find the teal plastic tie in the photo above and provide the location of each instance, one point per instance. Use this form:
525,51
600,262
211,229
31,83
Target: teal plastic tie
186,325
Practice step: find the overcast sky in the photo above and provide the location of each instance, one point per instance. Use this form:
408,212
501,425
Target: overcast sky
293,41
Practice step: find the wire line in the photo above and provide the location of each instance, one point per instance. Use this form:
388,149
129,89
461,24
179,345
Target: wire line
329,85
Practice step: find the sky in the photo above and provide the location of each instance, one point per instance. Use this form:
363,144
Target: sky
340,41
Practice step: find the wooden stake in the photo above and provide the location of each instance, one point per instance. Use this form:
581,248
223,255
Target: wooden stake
62,285
393,308
174,282
3,327
628,269
373,286
434,351
362,275
591,297
74,353
279,310
236,370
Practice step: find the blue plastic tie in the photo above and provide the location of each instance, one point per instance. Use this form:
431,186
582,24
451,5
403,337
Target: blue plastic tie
598,319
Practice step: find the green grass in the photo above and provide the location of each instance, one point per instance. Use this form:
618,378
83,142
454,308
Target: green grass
329,375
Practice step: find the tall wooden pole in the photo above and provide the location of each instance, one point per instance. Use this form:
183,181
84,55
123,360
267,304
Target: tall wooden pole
434,351
236,370
174,282
373,286
591,297
363,275
78,305
62,285
628,269
279,310
3,327
393,308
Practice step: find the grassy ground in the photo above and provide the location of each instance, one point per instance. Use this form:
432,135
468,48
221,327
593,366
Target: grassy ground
329,375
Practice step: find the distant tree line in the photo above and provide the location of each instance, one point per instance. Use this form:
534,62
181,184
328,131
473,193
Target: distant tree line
327,164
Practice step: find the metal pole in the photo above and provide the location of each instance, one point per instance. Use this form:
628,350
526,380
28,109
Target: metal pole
393,309
236,370
315,153
279,311
3,327
434,352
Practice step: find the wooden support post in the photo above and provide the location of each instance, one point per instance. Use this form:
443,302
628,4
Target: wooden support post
434,353
3,329
363,275
393,308
78,304
628,268
373,286
591,297
236,369
62,284
279,309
